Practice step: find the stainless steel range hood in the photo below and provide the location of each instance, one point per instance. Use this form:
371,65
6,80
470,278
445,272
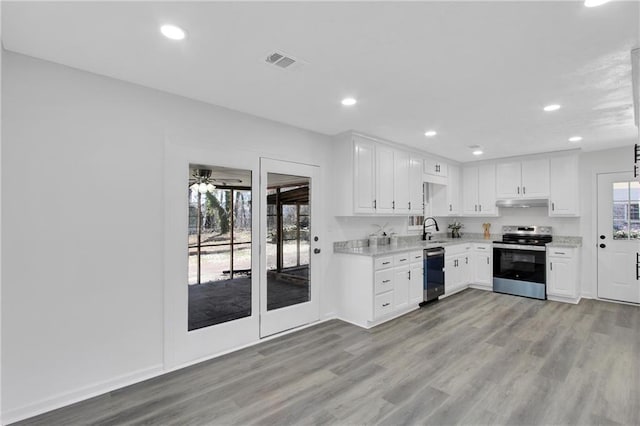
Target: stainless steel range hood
523,204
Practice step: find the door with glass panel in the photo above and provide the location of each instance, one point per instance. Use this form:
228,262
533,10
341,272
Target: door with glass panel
289,268
211,290
618,237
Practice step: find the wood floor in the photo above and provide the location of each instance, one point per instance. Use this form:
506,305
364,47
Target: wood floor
473,358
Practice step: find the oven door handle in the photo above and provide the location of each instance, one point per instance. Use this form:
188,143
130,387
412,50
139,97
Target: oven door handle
518,247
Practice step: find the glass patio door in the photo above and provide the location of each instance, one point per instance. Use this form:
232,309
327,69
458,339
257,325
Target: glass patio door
290,246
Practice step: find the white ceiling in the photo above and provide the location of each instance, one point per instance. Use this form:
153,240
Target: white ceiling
477,72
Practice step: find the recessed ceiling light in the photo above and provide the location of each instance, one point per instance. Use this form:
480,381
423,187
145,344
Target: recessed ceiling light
575,138
594,3
553,107
172,32
349,101
430,133
478,152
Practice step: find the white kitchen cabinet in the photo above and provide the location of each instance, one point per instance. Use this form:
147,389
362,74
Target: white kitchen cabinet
364,165
401,185
385,162
445,199
564,186
435,167
416,191
458,265
373,290
523,179
562,274
479,191
483,266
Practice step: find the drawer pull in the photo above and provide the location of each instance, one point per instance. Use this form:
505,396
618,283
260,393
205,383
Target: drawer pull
403,260
559,252
386,281
386,304
386,263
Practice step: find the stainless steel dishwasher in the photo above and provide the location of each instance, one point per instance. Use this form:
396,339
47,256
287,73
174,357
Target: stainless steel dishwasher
433,282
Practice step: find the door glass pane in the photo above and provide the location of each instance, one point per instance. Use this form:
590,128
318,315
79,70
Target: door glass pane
219,276
288,224
626,210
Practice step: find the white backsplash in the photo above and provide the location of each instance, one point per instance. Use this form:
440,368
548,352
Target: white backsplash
529,216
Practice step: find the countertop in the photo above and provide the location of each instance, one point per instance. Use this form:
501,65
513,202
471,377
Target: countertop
404,246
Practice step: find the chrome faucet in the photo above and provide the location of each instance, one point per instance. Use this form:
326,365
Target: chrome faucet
425,226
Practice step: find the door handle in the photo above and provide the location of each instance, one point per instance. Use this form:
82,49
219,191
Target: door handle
637,266
316,250
603,245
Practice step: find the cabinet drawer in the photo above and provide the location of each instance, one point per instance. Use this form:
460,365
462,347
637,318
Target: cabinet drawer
560,252
383,281
383,304
383,262
401,259
482,247
415,256
457,249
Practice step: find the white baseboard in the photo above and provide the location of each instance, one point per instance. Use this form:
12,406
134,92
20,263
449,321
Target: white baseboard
67,398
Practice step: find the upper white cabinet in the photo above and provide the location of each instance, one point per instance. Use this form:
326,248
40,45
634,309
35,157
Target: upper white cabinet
563,176
364,169
385,163
435,167
445,199
386,180
523,179
401,189
416,192
479,190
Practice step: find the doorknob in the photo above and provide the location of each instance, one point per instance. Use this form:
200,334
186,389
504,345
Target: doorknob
316,251
603,245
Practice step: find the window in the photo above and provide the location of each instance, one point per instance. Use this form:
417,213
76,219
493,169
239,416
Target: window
626,210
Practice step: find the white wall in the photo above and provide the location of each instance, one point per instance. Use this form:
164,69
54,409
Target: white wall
82,199
528,216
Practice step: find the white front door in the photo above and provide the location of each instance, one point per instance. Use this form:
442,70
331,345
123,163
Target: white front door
618,237
289,245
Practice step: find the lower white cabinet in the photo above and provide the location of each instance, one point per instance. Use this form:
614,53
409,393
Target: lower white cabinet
458,268
483,265
376,289
562,274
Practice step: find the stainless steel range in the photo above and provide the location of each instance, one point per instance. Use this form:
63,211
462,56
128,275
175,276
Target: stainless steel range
519,261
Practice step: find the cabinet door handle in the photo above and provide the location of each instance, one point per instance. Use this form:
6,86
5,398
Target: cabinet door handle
386,304
466,260
551,265
475,207
637,266
524,189
409,205
386,281
518,190
393,205
374,204
386,263
487,260
553,206
449,207
409,275
403,260
480,207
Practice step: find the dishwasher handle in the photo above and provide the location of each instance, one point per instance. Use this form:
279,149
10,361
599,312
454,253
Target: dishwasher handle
438,251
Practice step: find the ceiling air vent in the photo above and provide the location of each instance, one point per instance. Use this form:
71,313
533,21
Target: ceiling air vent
282,60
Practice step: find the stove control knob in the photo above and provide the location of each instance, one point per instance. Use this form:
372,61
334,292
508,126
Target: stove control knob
603,245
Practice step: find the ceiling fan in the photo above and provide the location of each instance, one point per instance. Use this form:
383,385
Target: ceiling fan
202,181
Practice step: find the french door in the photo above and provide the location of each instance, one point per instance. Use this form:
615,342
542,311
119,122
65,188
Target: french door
618,237
289,245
